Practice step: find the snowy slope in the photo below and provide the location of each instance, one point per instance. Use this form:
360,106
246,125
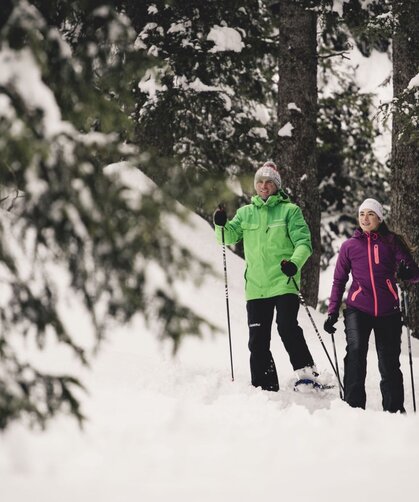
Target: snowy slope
178,429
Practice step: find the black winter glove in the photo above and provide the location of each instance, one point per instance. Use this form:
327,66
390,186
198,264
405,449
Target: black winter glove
288,268
220,216
404,273
329,323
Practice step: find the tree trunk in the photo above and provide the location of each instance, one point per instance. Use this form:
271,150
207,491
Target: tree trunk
297,109
405,153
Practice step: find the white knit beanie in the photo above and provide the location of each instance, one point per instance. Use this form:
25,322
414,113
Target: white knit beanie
269,171
372,205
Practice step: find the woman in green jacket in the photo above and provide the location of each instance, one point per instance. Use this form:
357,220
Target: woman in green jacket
277,243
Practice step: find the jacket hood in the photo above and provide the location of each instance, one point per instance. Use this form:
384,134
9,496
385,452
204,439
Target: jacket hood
273,200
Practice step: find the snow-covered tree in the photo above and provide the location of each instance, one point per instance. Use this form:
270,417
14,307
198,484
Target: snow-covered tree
67,72
208,103
348,127
349,169
212,101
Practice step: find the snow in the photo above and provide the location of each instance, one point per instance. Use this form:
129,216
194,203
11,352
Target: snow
19,68
414,82
198,86
150,84
65,48
152,9
225,39
234,185
258,132
6,108
372,72
373,75
162,428
103,11
286,130
262,113
338,6
177,28
293,106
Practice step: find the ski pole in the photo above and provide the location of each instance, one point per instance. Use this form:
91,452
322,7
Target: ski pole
337,365
317,331
409,344
227,303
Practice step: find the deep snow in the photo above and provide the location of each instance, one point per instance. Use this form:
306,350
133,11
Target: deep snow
179,429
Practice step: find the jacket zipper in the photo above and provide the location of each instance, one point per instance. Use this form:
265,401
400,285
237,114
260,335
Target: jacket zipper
390,287
355,293
374,291
376,255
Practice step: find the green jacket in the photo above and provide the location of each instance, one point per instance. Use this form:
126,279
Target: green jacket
272,231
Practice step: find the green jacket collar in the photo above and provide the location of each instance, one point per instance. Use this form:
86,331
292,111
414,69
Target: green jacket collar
273,200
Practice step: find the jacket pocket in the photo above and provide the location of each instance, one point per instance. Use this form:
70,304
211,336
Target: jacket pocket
277,223
376,254
390,287
356,293
246,225
278,228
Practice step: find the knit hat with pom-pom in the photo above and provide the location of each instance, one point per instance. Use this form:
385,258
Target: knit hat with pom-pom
268,171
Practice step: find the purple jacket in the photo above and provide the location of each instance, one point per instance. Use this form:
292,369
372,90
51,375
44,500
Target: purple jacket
372,258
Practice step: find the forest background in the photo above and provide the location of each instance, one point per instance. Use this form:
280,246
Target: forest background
196,95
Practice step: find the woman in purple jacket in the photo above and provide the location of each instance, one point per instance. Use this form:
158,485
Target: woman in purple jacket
372,255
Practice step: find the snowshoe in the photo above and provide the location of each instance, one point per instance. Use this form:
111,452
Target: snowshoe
307,384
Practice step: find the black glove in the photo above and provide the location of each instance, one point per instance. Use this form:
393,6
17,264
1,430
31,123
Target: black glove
404,273
289,268
329,323
220,216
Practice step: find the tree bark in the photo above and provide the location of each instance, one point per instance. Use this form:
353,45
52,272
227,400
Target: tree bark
405,153
297,109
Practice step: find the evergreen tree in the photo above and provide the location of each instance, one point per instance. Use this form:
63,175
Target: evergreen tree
405,151
348,127
201,108
206,105
348,167
67,71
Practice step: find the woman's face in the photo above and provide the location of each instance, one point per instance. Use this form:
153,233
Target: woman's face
368,220
265,188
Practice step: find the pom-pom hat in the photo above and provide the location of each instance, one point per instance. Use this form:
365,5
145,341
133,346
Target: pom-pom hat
372,205
268,171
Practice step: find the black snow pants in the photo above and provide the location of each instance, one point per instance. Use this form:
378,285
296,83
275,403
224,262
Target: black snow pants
387,331
260,315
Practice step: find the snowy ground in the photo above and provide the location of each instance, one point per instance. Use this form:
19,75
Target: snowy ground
179,429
